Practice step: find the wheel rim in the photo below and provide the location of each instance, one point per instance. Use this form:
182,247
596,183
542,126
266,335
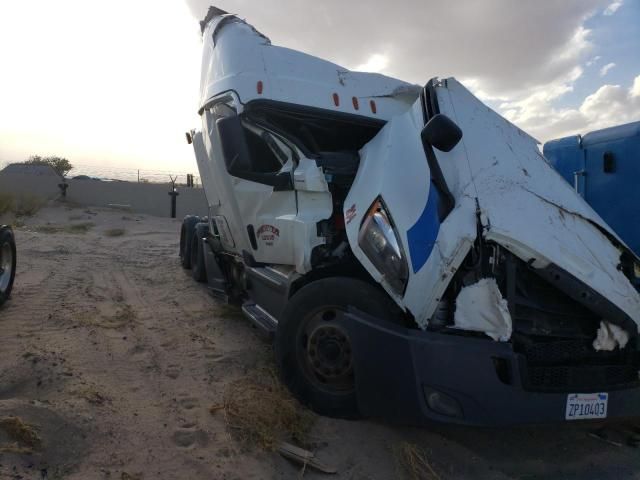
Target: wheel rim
325,351
6,266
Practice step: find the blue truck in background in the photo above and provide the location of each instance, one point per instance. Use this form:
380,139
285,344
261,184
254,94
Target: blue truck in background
604,168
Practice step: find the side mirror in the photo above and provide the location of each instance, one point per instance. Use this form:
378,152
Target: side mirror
441,132
234,145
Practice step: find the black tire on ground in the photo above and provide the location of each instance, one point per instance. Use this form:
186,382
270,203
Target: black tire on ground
7,263
313,351
198,268
186,232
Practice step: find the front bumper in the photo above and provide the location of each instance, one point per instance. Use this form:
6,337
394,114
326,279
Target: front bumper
396,368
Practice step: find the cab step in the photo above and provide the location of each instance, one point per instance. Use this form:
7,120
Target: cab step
260,318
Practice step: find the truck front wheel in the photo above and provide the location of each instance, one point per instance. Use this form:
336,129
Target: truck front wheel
198,269
7,262
312,345
186,233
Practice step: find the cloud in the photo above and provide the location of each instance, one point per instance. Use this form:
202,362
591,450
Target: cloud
376,63
604,70
612,105
609,105
593,61
613,7
635,89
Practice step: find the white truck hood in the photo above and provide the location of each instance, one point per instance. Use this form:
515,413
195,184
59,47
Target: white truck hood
525,205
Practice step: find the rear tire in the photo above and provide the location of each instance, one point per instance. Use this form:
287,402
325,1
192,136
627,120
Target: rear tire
198,268
313,350
186,234
7,263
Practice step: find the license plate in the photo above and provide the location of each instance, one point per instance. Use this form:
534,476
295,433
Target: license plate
584,406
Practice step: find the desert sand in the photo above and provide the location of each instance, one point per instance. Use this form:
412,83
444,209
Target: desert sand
113,357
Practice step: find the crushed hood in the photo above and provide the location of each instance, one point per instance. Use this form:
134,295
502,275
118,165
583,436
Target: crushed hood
525,204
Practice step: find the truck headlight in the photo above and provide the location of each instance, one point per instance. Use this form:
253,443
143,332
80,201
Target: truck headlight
379,241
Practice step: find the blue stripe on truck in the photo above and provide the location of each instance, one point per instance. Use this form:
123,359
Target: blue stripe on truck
421,237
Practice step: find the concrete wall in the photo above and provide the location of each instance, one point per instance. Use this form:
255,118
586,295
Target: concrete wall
19,184
149,198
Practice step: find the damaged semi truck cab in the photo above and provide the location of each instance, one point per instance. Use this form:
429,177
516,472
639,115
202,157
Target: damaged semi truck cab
411,252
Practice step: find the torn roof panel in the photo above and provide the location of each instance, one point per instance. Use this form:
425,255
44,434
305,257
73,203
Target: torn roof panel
236,57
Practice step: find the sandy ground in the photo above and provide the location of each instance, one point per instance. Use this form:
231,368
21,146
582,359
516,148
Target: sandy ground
115,355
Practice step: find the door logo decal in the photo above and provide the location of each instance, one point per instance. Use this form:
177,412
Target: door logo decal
268,234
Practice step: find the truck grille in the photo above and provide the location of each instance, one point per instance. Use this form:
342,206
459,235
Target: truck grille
573,365
575,379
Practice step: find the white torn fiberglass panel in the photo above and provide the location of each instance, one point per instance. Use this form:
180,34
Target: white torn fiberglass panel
610,337
481,308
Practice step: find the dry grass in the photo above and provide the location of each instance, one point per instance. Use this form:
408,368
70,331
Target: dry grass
413,460
78,227
23,205
24,435
28,205
74,228
124,316
130,476
7,203
114,232
259,411
91,395
15,448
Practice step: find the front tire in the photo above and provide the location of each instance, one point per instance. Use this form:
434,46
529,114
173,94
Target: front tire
313,350
198,268
186,233
7,263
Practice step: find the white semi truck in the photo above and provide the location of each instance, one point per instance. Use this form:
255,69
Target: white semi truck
410,251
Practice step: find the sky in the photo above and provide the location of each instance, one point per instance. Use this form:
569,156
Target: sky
115,84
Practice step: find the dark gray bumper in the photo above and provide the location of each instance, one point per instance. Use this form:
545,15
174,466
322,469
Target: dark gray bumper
396,368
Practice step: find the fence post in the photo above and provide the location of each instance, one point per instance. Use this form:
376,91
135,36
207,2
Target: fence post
173,194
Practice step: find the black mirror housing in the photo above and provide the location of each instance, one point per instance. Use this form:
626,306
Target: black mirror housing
234,144
441,132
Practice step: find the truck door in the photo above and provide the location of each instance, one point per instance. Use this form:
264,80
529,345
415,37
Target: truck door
612,169
267,209
257,198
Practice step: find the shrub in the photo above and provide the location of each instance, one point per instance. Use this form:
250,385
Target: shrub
59,164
